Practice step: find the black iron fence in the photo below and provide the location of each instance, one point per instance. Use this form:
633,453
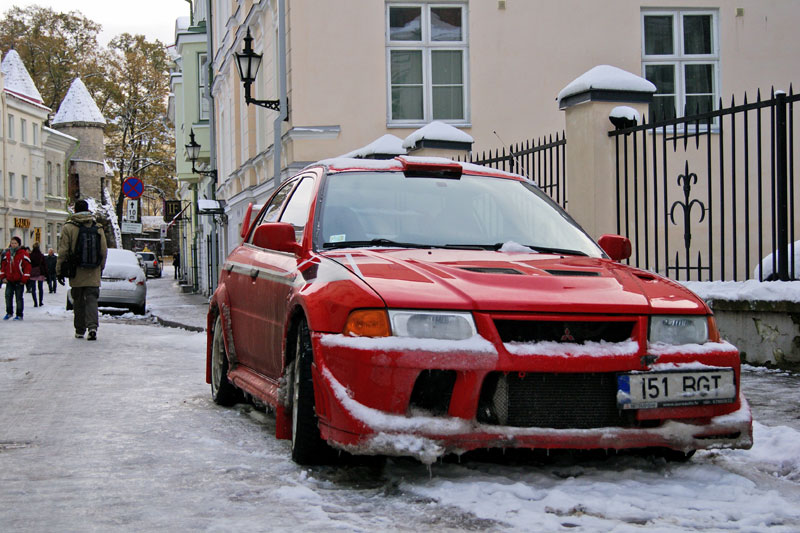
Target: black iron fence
543,161
709,196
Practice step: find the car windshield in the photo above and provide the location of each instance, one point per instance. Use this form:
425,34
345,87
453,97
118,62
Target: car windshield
390,209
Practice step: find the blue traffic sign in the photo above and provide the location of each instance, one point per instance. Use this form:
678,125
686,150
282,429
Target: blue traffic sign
132,187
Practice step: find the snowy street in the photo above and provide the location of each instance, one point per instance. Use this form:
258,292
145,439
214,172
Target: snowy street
121,434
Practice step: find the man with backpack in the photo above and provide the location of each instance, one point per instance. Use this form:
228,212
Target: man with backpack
81,257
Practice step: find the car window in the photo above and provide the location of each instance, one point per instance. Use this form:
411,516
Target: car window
272,210
482,211
296,211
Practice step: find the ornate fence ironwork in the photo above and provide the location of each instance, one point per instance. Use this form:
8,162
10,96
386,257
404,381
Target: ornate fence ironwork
543,161
742,181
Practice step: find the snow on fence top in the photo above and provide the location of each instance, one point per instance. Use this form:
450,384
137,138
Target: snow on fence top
608,78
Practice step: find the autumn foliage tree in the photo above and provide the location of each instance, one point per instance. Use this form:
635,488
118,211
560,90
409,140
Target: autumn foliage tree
56,48
140,140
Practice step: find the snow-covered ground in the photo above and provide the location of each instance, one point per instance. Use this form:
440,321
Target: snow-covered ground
121,435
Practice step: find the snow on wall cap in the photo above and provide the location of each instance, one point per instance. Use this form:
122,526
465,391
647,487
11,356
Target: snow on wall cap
78,106
608,78
624,111
437,131
17,78
387,144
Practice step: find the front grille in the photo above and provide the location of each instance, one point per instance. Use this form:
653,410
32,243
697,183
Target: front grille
563,331
546,400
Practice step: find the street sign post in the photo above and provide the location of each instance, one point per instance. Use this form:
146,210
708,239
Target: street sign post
133,187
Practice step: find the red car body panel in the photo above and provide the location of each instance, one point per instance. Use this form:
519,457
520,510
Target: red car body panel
363,387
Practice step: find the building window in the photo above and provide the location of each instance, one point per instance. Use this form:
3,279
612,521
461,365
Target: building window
202,77
59,180
36,135
39,189
11,126
25,187
426,54
11,185
23,130
680,55
49,178
2,191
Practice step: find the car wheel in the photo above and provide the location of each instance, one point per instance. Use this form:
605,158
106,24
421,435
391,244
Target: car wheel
138,309
222,391
307,445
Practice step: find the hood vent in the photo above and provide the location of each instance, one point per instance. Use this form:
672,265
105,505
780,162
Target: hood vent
492,270
584,273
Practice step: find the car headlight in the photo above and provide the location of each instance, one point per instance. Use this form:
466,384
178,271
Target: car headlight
679,329
432,324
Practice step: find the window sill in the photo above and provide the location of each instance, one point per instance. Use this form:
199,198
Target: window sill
417,125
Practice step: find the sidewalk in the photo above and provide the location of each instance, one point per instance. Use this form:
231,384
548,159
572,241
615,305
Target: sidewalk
172,307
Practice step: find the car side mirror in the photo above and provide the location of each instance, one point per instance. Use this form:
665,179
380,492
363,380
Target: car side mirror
278,236
617,247
246,220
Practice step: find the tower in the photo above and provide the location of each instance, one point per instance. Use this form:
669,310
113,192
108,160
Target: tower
79,116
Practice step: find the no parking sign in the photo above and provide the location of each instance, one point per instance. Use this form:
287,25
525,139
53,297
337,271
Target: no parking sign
132,187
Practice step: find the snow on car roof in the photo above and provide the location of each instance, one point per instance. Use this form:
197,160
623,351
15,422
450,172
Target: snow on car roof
348,164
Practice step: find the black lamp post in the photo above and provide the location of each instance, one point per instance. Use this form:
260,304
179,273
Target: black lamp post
247,62
193,150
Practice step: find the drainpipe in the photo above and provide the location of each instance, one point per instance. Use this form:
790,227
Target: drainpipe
211,191
277,142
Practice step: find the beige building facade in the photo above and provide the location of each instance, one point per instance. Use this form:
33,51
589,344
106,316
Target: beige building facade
33,162
359,69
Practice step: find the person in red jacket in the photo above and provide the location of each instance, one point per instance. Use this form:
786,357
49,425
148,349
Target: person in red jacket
15,270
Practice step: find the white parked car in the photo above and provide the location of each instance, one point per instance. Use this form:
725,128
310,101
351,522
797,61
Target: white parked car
123,283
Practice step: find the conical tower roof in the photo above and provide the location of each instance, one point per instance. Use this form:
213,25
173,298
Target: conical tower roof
17,78
78,106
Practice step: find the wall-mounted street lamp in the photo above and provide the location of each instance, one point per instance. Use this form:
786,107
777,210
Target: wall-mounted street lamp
193,151
248,62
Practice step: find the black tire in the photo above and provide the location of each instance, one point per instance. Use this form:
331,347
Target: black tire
138,309
308,448
222,391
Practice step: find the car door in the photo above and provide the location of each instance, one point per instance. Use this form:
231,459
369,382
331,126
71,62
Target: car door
243,269
275,281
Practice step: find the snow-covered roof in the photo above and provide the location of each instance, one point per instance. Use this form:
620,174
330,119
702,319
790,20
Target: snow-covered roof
437,131
17,78
385,145
78,106
606,77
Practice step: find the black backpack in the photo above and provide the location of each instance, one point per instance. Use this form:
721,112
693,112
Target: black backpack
87,250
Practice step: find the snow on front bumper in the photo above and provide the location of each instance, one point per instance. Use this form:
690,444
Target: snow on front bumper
382,429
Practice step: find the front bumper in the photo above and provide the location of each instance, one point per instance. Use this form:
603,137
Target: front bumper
364,392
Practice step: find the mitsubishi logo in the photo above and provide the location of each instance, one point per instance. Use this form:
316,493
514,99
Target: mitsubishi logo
566,337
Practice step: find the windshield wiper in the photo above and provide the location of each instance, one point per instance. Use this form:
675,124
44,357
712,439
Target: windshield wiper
561,251
498,245
375,242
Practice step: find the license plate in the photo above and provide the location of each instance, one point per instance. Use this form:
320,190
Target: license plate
648,390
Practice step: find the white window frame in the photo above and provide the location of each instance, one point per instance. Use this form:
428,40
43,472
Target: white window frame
11,180
10,127
426,46
35,127
23,130
39,189
679,59
24,187
203,107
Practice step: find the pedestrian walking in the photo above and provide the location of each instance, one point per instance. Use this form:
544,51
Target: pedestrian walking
38,274
81,257
15,270
50,260
176,263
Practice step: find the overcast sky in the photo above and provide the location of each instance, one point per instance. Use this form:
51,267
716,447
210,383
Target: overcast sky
154,18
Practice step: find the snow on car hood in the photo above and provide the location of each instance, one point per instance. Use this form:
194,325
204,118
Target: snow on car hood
513,281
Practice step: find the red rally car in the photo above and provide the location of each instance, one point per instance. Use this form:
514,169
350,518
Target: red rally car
420,307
